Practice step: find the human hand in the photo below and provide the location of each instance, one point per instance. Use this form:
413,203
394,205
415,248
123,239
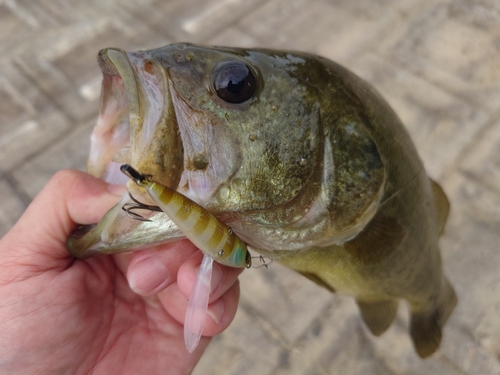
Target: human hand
60,315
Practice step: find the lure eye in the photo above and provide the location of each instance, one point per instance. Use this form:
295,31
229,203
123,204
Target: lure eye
248,260
234,82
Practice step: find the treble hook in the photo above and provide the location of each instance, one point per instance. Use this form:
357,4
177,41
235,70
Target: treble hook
263,260
130,208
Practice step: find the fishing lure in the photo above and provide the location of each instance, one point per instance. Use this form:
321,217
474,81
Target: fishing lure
214,238
196,312
203,229
131,208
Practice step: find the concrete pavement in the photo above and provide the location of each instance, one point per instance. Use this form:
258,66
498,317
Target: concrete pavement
436,61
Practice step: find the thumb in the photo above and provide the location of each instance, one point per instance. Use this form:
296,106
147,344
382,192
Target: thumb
70,197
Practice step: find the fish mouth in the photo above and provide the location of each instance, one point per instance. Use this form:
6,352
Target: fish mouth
137,123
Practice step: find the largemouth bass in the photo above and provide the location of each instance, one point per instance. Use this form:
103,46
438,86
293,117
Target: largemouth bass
304,160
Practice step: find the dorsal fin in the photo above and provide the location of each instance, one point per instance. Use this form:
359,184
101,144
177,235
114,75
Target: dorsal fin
442,205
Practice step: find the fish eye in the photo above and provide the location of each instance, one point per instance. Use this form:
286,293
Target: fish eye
234,82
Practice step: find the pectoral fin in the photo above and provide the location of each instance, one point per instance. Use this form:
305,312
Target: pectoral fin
378,240
378,315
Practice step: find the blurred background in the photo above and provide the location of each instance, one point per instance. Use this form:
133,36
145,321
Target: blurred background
437,62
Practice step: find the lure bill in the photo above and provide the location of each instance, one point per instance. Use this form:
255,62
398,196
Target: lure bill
203,229
197,308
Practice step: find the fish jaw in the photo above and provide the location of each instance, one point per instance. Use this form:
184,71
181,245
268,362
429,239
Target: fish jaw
116,233
136,125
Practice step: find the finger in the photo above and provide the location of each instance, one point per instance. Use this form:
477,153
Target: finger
220,313
68,198
150,271
223,277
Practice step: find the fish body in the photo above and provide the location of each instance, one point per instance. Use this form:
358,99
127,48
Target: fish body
304,160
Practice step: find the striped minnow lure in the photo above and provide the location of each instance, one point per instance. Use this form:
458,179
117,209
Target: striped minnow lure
202,228
214,238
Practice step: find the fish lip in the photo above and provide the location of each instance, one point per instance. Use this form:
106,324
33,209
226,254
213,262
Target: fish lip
115,62
137,122
118,115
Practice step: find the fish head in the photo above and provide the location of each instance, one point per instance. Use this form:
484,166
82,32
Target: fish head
238,131
207,122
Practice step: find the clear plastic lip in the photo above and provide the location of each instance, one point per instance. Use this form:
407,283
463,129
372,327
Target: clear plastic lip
196,312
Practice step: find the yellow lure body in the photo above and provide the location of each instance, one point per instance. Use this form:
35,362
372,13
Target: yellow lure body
202,228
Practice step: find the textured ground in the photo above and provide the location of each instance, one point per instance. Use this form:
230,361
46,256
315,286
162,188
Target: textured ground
436,61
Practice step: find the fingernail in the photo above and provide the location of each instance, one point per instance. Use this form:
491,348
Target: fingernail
217,277
118,190
148,276
216,310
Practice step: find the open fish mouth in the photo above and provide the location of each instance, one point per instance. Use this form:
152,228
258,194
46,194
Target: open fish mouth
137,123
